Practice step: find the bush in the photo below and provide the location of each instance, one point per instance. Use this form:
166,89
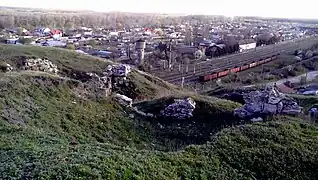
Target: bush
310,65
303,80
25,41
292,73
91,42
70,46
247,81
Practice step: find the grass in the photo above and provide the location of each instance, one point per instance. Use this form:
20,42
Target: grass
74,65
305,101
271,71
48,131
66,60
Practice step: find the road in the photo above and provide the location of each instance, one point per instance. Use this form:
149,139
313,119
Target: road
193,71
310,77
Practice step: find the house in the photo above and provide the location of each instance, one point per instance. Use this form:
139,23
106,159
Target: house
88,33
43,31
54,43
56,33
114,33
247,44
12,41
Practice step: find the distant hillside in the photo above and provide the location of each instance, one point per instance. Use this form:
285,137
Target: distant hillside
50,128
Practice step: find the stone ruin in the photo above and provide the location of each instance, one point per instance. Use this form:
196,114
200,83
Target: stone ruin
120,70
141,113
105,84
180,109
6,67
102,84
123,100
40,65
267,102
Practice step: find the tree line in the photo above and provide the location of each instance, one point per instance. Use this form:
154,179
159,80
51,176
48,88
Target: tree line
30,18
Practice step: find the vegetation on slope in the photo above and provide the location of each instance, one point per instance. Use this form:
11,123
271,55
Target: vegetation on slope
75,65
283,150
49,131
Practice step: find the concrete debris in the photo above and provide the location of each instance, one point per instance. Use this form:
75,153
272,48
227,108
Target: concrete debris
123,100
9,68
120,70
114,76
180,109
104,81
267,102
135,109
40,65
259,119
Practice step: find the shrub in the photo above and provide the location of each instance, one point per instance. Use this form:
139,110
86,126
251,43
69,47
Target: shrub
303,80
25,40
70,46
91,42
292,73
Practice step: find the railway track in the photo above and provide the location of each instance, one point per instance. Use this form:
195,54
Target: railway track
222,66
202,68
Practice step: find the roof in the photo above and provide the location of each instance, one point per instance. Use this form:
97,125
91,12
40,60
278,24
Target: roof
246,41
56,31
284,89
140,40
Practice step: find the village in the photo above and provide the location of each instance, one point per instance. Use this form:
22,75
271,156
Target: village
119,45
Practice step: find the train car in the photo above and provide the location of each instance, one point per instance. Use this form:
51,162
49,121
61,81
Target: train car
209,77
274,57
268,59
205,78
213,76
261,61
223,73
235,69
253,64
244,67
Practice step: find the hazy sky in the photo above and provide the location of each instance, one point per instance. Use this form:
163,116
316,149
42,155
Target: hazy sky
267,8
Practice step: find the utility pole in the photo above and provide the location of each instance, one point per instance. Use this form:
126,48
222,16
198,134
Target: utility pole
182,82
170,54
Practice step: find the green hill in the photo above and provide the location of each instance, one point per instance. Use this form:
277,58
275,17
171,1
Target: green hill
48,130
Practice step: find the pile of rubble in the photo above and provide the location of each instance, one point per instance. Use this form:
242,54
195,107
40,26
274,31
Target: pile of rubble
40,65
120,70
123,100
267,102
104,82
180,109
6,67
103,85
114,74
137,111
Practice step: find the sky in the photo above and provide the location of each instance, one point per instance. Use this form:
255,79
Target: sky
264,8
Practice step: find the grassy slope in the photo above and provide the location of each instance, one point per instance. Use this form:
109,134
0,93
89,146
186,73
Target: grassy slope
48,132
70,62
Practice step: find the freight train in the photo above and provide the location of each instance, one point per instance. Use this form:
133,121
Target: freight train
219,74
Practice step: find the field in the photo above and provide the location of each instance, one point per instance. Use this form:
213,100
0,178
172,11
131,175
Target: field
48,132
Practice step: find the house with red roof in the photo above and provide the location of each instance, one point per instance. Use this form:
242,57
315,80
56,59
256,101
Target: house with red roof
56,33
